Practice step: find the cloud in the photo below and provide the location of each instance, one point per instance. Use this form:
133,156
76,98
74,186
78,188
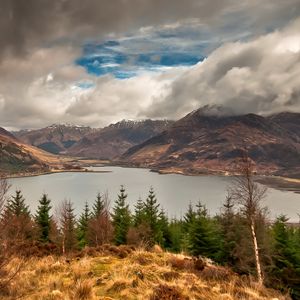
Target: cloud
259,76
25,25
48,88
40,40
37,90
112,100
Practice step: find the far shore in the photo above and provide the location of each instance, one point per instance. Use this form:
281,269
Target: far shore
21,175
276,182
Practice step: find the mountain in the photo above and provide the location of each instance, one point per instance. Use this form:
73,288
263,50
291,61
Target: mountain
56,138
15,157
207,143
288,120
117,138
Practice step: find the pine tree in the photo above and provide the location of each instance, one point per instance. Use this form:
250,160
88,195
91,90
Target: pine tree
176,235
189,217
16,205
187,223
16,219
163,235
67,226
121,218
83,226
228,231
203,237
98,206
286,269
100,229
43,218
139,213
152,215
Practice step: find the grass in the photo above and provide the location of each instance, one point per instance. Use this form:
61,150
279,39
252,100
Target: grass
140,275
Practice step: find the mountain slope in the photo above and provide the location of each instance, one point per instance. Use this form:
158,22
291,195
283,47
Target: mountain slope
206,143
16,157
288,120
117,138
56,138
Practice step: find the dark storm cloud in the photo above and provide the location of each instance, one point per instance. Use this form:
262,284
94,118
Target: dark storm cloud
38,23
35,23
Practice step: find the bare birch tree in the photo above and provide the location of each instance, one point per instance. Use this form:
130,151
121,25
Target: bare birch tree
4,187
249,195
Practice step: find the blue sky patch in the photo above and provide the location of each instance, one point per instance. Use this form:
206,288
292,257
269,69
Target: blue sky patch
151,50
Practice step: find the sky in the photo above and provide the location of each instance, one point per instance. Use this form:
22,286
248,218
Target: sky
96,62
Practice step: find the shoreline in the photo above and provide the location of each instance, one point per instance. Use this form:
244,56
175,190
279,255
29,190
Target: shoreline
13,176
277,182
273,181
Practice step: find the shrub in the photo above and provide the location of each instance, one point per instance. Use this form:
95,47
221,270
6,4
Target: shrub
165,292
83,290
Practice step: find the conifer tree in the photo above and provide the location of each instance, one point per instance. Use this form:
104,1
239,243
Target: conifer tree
228,231
152,215
43,218
98,206
163,235
189,217
67,227
285,273
203,237
16,205
100,229
121,218
83,226
139,213
16,219
177,235
188,220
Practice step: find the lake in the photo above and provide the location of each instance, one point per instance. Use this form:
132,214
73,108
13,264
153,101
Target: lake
174,192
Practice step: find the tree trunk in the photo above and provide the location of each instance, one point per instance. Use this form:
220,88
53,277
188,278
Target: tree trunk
256,252
63,246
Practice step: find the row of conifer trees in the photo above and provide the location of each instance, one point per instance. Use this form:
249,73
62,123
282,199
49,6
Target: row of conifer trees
225,238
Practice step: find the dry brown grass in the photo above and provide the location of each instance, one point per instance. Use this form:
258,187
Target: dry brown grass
140,275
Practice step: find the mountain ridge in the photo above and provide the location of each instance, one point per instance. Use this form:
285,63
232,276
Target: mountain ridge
55,138
211,144
115,139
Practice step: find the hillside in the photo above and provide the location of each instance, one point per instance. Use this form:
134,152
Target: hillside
115,139
111,273
16,157
202,142
288,120
56,138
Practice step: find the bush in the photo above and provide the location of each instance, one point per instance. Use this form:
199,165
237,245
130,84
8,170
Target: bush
83,290
165,292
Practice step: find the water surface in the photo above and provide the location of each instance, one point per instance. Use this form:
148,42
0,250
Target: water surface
174,192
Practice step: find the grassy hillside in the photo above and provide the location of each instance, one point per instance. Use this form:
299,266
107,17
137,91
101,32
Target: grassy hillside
123,273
